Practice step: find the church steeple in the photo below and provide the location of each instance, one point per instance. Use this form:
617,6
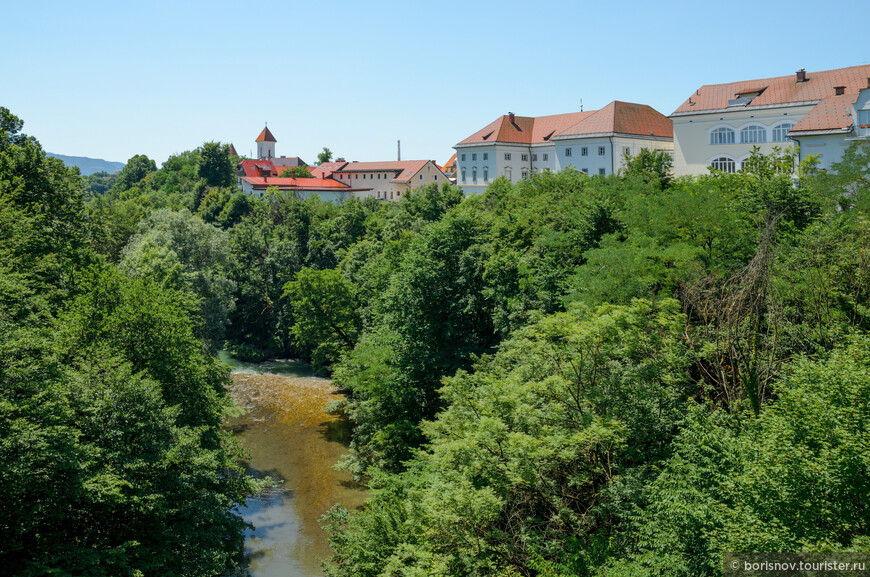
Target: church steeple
265,145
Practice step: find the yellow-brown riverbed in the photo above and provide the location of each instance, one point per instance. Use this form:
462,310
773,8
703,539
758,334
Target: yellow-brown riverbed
290,437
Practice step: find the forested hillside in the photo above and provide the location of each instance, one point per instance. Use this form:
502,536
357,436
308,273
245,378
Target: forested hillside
570,375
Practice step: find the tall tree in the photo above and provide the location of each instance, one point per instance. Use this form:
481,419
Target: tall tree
215,164
137,168
324,156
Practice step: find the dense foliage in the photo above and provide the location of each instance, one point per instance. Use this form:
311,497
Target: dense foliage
569,375
112,461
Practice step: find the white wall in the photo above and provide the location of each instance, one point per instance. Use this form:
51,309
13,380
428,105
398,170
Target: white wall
557,158
828,147
592,162
693,151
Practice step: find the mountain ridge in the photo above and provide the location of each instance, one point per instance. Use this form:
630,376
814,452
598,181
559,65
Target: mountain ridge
88,165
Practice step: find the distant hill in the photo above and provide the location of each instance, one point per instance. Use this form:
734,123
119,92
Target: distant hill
89,165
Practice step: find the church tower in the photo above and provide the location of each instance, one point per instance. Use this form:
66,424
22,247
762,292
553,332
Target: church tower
266,145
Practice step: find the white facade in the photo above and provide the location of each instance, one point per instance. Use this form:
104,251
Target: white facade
389,181
592,142
722,137
595,156
266,150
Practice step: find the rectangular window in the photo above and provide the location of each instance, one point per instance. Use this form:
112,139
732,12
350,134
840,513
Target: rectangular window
601,171
486,156
584,170
546,157
600,151
507,155
463,156
626,151
567,152
473,156
864,122
525,158
534,158
584,151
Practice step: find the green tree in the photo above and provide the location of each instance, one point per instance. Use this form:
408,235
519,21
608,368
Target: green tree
180,251
792,480
296,172
215,164
542,448
324,312
136,169
99,183
324,156
112,460
652,166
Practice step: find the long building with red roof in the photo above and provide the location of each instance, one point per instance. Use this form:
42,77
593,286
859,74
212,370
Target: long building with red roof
594,142
823,112
389,180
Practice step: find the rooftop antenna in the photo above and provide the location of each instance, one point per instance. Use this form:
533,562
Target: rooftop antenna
399,145
581,105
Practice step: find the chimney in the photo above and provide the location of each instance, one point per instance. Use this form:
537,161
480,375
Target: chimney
839,90
399,150
511,117
802,75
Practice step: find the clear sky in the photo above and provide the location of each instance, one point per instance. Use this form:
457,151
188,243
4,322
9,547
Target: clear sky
114,79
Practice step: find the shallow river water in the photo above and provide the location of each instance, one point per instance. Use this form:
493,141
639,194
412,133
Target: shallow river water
290,437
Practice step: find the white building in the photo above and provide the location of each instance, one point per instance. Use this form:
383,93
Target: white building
387,180
823,112
593,142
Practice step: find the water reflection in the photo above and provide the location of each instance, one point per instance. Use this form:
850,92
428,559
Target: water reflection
290,437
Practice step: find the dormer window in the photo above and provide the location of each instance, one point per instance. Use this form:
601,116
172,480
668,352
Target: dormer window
745,98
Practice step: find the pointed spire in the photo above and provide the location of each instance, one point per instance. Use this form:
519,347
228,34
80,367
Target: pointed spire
266,136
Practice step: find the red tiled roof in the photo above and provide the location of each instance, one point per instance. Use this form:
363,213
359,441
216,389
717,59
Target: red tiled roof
450,161
295,183
779,90
257,167
546,127
325,169
523,129
623,118
832,113
266,136
405,169
233,150
616,117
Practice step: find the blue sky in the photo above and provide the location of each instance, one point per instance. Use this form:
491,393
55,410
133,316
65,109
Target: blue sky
114,79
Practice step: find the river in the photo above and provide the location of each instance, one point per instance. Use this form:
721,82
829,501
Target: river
291,438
